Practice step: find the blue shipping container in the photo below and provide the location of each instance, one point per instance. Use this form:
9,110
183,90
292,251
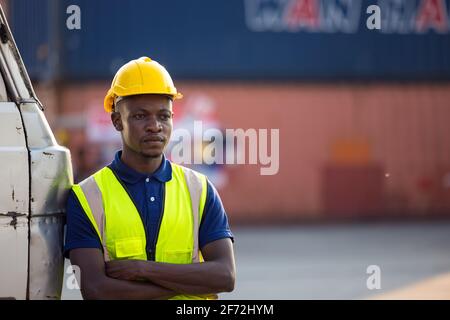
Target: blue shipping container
238,39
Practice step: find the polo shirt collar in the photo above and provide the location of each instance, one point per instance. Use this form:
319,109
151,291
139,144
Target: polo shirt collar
129,175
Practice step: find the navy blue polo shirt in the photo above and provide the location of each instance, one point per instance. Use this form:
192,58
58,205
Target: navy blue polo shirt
146,190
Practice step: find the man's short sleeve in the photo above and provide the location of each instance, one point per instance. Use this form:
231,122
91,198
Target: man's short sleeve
214,225
79,233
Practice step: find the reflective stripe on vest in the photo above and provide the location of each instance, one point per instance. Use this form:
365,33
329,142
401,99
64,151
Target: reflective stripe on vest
119,226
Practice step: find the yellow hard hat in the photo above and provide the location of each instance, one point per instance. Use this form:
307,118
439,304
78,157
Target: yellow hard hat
140,76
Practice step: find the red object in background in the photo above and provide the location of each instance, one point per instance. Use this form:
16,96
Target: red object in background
436,187
432,15
441,196
353,191
425,184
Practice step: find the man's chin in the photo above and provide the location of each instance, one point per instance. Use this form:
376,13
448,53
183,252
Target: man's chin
151,154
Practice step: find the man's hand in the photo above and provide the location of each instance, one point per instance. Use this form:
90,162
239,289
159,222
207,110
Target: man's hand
124,269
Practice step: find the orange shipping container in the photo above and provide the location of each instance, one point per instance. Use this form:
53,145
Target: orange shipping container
396,136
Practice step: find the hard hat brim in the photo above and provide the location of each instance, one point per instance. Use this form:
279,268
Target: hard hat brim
110,97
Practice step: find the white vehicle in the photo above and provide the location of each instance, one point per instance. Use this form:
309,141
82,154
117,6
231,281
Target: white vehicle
35,176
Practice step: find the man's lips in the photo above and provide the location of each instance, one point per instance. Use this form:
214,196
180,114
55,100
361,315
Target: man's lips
151,139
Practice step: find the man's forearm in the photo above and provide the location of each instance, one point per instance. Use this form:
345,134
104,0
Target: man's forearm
109,288
216,274
198,278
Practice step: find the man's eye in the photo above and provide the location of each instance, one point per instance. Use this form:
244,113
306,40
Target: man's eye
138,116
164,117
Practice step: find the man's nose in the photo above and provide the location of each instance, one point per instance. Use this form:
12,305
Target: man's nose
153,125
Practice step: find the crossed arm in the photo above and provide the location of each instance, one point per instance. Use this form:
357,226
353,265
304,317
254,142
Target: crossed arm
137,279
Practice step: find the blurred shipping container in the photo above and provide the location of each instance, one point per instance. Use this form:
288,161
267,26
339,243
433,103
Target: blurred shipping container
237,39
346,150
362,114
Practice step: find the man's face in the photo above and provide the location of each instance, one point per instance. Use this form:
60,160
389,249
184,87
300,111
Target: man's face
145,122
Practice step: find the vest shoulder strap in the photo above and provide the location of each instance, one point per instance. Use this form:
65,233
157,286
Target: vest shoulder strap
95,201
196,184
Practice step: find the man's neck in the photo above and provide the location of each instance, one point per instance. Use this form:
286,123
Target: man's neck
139,163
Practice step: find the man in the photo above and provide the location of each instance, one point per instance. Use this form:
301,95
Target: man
144,227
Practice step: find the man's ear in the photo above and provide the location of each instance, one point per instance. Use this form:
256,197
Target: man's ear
117,121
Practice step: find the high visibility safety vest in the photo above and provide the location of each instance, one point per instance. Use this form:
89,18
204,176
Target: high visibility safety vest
119,226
